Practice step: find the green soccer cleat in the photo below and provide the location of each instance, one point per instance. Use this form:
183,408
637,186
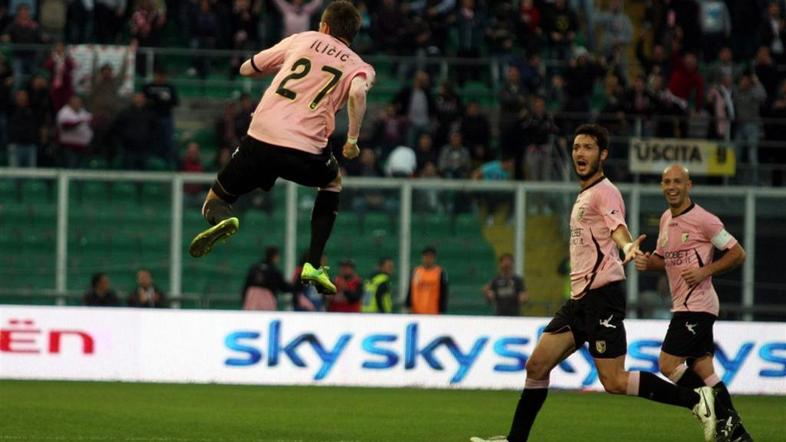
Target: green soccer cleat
319,277
203,243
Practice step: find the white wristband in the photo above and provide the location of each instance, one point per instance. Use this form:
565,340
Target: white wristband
626,248
352,140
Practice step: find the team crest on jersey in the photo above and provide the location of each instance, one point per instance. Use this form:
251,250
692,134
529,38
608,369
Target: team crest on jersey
600,346
580,213
685,237
664,239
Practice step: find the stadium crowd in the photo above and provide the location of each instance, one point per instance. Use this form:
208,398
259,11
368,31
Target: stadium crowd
700,69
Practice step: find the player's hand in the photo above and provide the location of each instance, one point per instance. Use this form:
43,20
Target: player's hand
641,261
694,276
632,249
351,150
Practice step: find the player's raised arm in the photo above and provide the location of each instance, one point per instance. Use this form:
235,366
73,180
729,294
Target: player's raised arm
356,109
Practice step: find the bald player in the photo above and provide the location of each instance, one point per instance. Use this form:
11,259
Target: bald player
596,311
316,74
687,237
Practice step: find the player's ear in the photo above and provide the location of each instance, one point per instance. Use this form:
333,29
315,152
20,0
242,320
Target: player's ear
604,153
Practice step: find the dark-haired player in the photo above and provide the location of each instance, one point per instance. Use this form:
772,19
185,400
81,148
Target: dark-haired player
316,74
686,239
596,310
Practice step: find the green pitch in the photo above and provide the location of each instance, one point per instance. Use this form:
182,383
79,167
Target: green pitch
84,411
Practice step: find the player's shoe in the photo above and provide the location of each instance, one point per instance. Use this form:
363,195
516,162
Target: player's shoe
491,439
202,244
319,277
704,411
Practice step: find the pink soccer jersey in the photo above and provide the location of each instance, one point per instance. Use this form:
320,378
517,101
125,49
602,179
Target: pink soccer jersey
686,241
594,257
314,73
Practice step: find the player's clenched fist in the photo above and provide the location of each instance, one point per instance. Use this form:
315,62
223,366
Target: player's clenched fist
641,261
351,150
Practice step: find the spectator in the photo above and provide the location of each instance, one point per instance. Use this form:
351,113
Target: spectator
162,97
146,21
715,27
378,293
365,199
536,129
108,20
192,163
771,32
746,17
204,35
501,30
402,162
765,70
41,104
389,130
244,27
54,14
23,30
105,102
668,108
528,27
297,15
531,73
638,105
74,133
428,286
657,62
365,165
723,65
580,78
389,24
687,27
146,293
490,203
512,105
616,25
470,26
417,105
507,292
23,132
60,66
777,132
425,152
476,132
721,108
686,82
349,290
748,97
226,131
136,129
497,170
448,109
263,283
100,293
454,159
6,83
560,24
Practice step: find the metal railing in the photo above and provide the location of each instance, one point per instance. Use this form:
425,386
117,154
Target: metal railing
519,193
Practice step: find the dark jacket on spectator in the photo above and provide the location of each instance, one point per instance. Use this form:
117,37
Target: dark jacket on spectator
267,276
156,298
92,298
402,98
23,126
136,129
161,98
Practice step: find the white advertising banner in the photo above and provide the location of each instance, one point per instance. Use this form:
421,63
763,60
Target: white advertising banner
339,349
701,157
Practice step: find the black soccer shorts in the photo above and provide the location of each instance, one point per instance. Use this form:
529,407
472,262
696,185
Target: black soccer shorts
690,335
258,164
596,318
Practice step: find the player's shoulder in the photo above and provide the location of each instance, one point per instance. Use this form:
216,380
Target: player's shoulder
665,216
702,215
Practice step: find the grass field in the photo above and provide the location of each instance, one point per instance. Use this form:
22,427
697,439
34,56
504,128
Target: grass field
85,411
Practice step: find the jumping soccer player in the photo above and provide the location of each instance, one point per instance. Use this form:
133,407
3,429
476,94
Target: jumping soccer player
686,239
317,74
596,310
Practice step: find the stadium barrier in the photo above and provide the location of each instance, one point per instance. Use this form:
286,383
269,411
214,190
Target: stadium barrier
75,343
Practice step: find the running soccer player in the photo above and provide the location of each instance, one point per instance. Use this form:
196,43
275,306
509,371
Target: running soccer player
596,310
686,239
316,74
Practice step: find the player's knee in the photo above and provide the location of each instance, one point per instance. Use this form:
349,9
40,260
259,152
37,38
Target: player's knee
537,368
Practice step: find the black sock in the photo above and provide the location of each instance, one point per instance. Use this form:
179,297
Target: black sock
724,398
217,210
529,405
656,389
690,380
322,218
